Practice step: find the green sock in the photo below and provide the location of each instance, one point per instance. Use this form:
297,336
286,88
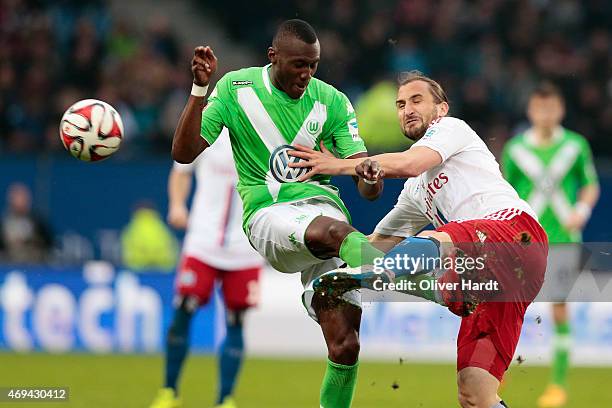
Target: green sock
356,250
560,364
428,291
338,385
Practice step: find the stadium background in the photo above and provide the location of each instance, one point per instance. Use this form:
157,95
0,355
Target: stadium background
103,322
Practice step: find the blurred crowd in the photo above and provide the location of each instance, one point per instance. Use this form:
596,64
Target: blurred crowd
53,53
488,54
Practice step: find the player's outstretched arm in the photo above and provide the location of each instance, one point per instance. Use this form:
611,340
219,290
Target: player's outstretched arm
410,163
324,162
187,143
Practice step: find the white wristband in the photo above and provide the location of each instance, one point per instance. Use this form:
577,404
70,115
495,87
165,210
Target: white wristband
583,209
197,90
371,182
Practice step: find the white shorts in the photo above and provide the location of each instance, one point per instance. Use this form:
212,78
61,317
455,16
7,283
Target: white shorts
277,233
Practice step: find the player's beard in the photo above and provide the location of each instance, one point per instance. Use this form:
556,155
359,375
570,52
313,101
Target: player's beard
416,132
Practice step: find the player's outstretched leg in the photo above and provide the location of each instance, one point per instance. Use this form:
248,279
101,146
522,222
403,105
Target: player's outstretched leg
231,356
555,394
340,325
383,269
177,346
425,247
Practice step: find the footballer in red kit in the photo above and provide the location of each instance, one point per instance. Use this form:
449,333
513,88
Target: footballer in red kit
455,184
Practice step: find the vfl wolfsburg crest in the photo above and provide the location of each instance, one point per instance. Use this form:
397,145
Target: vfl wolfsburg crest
279,165
312,126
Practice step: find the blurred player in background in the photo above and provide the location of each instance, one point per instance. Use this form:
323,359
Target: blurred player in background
215,250
297,227
552,168
454,183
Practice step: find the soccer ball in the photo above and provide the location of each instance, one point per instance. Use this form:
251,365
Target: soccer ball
91,130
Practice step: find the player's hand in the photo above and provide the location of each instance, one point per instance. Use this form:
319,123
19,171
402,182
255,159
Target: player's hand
370,170
203,65
178,215
576,221
323,162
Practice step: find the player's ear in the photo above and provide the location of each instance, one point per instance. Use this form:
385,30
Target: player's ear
272,55
442,109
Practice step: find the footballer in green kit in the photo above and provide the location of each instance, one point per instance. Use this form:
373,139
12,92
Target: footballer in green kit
552,168
297,226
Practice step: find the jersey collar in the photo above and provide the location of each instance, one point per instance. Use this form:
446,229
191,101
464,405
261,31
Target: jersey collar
530,137
265,73
266,78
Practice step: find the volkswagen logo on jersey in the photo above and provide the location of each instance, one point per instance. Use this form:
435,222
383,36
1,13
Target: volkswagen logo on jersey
279,165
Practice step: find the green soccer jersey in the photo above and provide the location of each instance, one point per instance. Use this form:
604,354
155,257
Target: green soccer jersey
549,177
264,122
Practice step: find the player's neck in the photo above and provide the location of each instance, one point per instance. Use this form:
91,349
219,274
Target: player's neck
543,135
274,80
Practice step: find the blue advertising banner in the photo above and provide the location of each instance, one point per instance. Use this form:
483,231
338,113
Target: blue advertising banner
93,309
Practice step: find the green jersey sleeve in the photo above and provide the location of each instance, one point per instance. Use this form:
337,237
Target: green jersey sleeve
345,131
587,174
215,113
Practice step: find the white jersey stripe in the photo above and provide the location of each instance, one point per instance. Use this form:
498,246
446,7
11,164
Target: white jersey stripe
503,215
547,178
267,130
266,78
312,126
260,119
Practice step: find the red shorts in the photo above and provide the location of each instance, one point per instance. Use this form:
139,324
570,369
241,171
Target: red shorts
516,248
197,279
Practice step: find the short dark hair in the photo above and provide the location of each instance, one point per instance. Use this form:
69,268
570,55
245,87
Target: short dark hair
548,89
297,28
435,88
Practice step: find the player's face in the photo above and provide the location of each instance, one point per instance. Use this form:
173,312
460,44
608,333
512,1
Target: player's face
545,111
295,63
416,109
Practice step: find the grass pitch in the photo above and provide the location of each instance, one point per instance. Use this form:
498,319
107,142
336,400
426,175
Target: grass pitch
125,381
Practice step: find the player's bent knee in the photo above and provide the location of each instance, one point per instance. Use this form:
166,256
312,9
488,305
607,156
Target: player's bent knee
345,351
338,230
326,232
